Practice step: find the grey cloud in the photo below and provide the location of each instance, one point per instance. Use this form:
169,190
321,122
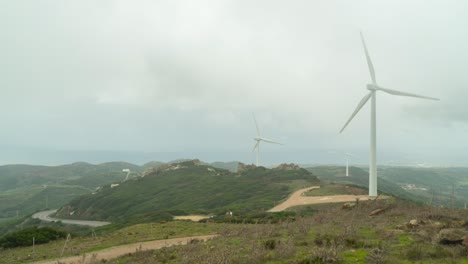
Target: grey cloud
139,76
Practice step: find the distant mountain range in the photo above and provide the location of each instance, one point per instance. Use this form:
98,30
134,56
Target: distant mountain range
25,189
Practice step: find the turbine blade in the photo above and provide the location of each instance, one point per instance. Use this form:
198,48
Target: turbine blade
256,146
270,141
256,125
394,92
360,105
369,61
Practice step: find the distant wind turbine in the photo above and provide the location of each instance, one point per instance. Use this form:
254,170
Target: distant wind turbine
258,139
128,173
373,88
348,155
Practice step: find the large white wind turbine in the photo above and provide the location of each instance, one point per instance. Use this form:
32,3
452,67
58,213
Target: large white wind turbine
373,88
259,138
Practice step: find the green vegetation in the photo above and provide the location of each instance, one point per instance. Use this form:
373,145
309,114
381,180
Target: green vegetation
25,237
332,235
105,237
360,177
446,187
92,176
323,233
186,188
25,189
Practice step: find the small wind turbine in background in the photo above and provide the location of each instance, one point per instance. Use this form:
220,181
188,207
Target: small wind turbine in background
348,155
373,88
259,139
128,173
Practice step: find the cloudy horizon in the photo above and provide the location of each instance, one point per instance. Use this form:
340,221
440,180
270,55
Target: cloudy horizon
100,81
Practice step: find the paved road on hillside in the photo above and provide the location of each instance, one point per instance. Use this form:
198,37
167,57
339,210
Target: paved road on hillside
118,251
297,198
45,216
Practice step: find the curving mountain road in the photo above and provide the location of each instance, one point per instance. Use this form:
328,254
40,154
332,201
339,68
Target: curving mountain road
297,198
45,216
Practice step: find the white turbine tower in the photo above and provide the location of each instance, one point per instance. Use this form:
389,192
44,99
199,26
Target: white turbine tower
373,88
258,139
347,163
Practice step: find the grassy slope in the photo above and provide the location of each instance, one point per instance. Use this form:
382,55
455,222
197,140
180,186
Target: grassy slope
87,244
329,233
194,189
332,235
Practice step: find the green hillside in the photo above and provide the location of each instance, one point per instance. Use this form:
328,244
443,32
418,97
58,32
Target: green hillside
443,186
79,173
190,187
28,200
360,177
16,176
25,189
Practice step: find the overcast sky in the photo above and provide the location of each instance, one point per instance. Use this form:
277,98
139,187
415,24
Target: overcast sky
145,80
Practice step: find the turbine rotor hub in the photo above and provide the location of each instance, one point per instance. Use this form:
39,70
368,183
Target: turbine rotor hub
372,87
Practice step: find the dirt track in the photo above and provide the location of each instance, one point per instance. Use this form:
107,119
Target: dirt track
298,199
194,218
117,251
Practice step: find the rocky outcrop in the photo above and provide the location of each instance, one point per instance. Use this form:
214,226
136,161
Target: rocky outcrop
452,236
286,166
241,167
413,223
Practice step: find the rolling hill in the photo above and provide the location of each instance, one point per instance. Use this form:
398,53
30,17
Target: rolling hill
187,188
27,188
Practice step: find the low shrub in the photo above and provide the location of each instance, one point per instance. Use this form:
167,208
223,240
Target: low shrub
25,237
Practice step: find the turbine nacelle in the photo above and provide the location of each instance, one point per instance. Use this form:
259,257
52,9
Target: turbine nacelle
372,87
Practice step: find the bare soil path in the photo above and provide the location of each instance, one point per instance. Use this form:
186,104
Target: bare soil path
118,251
194,218
297,198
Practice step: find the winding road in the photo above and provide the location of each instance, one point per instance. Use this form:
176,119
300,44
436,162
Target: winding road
297,198
45,216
